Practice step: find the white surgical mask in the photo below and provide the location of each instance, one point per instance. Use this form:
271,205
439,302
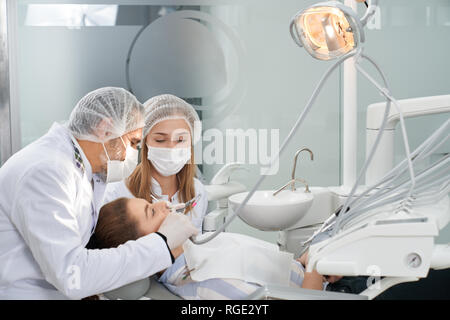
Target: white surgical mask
168,161
131,161
118,170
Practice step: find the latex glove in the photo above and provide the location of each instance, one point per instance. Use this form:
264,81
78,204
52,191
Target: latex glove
177,228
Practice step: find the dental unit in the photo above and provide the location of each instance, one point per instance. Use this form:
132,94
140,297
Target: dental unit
400,208
384,228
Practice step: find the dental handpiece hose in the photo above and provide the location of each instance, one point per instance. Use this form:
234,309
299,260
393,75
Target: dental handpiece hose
337,217
386,92
293,130
424,150
300,121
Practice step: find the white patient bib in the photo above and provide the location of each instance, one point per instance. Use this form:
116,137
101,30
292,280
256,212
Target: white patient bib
236,256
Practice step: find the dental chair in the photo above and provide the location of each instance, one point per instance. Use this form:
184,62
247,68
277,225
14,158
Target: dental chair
381,236
219,190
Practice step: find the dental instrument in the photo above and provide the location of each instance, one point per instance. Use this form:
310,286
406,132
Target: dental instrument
424,150
377,239
180,207
393,188
433,185
185,205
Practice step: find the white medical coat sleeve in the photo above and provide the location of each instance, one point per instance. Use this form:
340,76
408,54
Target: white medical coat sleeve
44,214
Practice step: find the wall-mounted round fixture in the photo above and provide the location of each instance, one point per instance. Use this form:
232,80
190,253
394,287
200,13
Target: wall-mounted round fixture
190,54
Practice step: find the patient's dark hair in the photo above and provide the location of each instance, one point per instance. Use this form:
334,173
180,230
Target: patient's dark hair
114,226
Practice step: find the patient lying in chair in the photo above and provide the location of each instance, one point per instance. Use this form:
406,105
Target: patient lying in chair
115,227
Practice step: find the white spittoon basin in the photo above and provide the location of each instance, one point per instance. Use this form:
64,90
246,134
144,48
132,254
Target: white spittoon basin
267,212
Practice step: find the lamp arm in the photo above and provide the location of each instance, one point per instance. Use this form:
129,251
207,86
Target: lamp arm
373,5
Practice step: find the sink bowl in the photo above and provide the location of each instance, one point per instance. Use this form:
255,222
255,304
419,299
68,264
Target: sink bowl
272,213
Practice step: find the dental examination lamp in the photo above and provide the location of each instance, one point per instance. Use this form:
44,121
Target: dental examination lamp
327,31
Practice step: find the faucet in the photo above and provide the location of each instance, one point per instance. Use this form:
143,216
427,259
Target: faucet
293,179
295,165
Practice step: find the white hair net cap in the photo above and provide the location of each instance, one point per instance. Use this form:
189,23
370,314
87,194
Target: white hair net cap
167,106
105,114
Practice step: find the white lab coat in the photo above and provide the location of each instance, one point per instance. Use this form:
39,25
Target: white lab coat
119,189
48,210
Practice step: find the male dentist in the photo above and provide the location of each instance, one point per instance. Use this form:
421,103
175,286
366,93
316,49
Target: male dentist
50,194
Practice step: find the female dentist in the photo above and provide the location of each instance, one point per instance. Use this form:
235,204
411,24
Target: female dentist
167,169
50,193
